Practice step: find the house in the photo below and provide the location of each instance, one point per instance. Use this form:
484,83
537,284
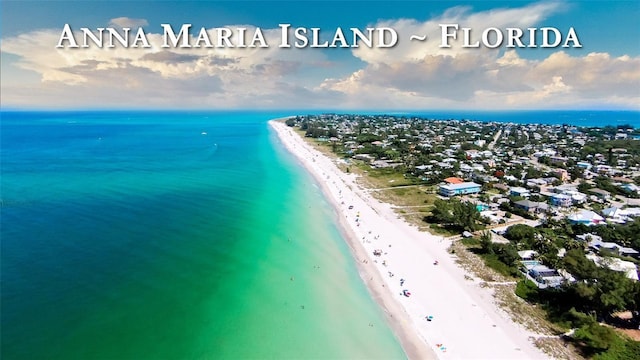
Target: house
578,197
472,154
380,164
536,183
616,215
489,163
583,165
598,244
519,191
631,188
603,169
588,237
558,160
364,157
565,189
480,142
627,267
560,200
561,174
459,189
527,254
453,180
545,276
586,217
601,194
530,206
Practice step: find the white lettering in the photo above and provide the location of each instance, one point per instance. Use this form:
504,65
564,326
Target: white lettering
67,34
444,29
170,35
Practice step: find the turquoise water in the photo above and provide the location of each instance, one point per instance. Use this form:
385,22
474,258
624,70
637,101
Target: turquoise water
146,235
172,235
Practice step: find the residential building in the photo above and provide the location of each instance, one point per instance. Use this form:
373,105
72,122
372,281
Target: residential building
459,189
586,217
519,191
561,200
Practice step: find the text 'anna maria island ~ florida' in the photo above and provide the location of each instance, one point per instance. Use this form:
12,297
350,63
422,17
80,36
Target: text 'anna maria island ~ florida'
286,36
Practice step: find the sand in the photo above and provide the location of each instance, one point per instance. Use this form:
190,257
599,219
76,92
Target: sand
466,323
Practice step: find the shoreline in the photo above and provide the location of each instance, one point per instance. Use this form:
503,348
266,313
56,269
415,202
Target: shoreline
399,321
466,321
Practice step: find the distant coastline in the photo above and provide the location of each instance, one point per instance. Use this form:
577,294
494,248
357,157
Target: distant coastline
588,118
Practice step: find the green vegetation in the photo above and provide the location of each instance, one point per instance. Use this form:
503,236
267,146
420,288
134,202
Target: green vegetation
582,305
413,155
510,208
527,289
455,215
597,293
623,234
500,257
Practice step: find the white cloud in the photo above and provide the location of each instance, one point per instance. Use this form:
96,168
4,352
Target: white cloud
413,75
407,50
423,75
125,22
269,77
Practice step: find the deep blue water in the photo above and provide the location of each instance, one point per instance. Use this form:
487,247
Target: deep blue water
148,235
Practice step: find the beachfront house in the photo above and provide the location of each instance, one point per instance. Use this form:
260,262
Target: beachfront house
459,189
544,276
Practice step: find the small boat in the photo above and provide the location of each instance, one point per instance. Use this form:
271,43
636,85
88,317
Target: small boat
203,133
406,293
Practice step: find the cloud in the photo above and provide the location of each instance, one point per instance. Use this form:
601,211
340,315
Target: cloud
413,75
423,75
407,50
125,22
169,57
203,77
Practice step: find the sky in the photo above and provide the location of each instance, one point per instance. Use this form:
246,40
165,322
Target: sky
604,73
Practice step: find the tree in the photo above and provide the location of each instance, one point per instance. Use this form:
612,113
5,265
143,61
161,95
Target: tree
577,264
466,215
595,336
520,233
462,216
485,242
441,212
506,253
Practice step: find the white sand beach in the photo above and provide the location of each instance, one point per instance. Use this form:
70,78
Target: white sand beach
465,323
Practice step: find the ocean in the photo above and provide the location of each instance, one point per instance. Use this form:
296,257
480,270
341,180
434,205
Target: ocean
147,235
173,235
